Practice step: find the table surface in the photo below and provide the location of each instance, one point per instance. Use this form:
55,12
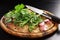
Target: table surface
50,5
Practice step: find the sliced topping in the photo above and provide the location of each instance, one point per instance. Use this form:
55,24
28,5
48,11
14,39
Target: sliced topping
45,25
12,26
42,26
48,22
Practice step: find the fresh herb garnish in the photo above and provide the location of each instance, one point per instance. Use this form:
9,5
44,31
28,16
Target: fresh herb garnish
22,16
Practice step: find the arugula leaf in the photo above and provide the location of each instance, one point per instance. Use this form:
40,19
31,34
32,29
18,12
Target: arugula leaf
23,23
34,22
8,20
8,15
25,17
19,7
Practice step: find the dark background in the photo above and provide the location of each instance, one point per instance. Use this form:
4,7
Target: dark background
50,5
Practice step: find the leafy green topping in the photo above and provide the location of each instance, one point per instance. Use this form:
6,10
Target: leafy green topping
19,7
8,20
22,16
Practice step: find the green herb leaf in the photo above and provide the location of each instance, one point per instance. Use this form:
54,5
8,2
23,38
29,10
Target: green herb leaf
8,20
8,15
19,7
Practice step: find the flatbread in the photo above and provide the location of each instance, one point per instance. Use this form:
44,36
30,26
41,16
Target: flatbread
25,34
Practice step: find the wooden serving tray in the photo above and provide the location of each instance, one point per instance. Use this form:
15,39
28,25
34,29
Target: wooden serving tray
29,35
